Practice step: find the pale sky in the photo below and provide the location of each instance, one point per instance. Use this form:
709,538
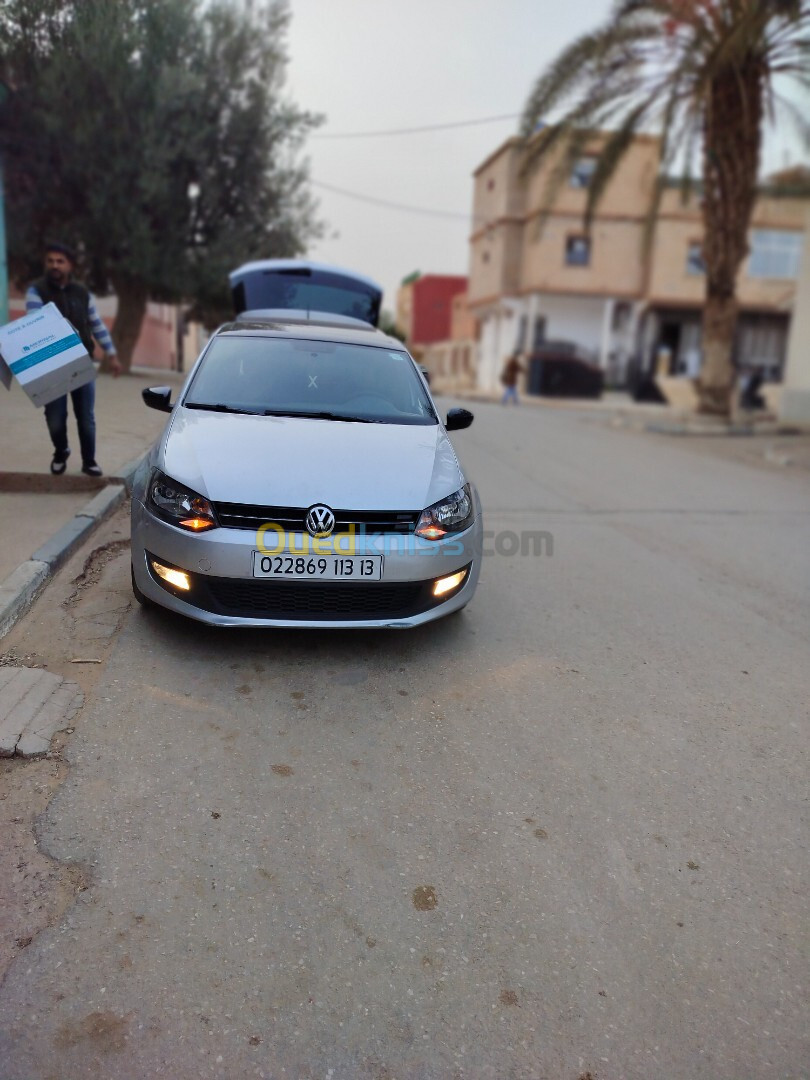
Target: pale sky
376,65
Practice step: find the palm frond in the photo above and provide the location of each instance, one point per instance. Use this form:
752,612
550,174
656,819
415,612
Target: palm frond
593,57
595,109
610,157
688,142
570,143
791,56
680,129
797,117
560,79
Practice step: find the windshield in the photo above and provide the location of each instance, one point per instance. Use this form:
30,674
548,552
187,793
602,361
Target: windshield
322,380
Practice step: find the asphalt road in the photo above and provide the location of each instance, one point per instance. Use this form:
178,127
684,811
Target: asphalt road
559,835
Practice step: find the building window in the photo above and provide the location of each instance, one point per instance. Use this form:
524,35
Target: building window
577,251
775,253
490,184
484,256
762,342
582,173
694,259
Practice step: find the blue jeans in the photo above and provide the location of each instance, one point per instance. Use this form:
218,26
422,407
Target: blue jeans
84,401
510,394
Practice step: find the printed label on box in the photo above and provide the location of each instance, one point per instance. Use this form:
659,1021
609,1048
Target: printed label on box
45,354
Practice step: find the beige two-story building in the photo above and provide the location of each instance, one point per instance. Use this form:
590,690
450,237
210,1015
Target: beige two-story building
538,279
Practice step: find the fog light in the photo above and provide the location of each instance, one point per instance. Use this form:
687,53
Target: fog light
445,585
178,579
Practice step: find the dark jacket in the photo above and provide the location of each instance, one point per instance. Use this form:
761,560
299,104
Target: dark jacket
511,371
74,303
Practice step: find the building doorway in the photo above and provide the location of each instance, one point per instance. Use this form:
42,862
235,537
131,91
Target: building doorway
669,339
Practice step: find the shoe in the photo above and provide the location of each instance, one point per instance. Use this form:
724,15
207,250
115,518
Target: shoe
59,463
92,469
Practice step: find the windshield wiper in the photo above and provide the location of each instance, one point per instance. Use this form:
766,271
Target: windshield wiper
220,407
322,416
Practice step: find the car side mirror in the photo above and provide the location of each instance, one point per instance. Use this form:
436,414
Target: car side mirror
458,419
158,397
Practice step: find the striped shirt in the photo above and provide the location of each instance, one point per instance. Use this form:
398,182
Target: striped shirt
33,302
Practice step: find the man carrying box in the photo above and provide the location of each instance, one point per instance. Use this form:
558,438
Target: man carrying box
78,307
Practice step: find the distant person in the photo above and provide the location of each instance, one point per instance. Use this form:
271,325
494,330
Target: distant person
78,307
691,366
663,361
512,370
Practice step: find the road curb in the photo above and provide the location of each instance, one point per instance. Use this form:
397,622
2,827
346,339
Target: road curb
19,590
126,475
23,585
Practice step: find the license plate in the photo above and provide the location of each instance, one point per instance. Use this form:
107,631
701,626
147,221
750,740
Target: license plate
318,567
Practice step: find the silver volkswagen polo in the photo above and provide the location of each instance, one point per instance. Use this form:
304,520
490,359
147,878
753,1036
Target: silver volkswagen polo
304,479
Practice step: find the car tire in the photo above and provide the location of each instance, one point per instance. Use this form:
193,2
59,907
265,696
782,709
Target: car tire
144,601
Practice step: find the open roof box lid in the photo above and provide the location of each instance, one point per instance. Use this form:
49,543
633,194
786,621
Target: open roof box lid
307,288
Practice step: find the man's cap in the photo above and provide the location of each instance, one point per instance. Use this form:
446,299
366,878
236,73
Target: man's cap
63,249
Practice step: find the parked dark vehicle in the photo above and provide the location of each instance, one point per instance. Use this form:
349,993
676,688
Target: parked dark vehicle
559,372
642,386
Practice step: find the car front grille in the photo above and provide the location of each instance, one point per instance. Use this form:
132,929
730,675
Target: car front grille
321,601
291,518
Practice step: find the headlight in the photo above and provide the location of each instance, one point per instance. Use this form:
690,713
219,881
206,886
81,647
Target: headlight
450,515
180,505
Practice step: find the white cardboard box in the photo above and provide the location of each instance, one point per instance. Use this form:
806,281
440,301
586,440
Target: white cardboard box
45,355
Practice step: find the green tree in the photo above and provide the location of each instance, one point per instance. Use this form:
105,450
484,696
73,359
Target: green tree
702,72
155,135
388,325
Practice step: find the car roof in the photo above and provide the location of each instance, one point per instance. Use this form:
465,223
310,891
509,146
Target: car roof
299,315
310,330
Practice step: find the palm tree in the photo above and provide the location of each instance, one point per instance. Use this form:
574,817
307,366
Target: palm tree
702,72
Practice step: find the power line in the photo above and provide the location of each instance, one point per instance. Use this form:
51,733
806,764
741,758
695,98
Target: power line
357,196
415,130
391,205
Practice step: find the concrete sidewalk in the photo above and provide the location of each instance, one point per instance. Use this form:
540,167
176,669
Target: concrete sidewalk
611,401
657,418
753,439
38,508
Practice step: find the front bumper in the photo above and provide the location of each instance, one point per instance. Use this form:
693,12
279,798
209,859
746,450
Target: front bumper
225,593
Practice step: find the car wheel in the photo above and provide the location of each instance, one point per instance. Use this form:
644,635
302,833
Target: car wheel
144,601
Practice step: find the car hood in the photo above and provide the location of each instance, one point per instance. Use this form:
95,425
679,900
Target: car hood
284,461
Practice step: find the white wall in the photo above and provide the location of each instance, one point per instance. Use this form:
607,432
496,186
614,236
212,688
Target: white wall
499,332
486,377
574,318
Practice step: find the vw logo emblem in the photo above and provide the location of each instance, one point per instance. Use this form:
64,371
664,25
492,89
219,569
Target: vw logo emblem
320,521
